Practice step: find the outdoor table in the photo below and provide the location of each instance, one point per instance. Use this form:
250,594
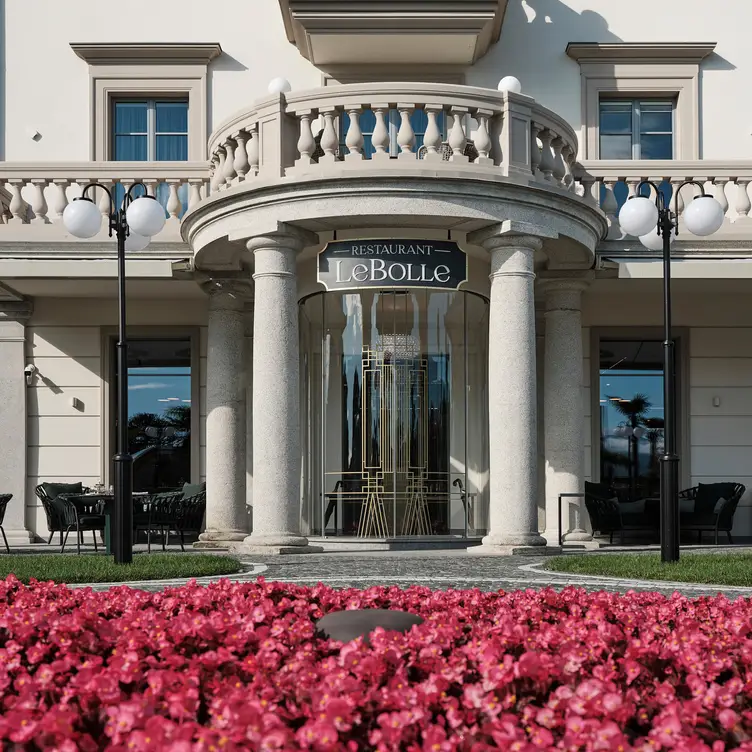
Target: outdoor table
108,501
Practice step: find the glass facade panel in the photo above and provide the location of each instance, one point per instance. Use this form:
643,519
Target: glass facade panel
631,417
393,385
159,412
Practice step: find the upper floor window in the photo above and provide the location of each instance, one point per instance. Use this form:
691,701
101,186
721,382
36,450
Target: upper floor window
636,129
150,130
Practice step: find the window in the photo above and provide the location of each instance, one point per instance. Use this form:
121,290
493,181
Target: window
636,129
150,130
367,122
631,417
159,412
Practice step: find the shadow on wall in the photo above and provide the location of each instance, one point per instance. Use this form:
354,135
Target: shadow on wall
533,47
224,62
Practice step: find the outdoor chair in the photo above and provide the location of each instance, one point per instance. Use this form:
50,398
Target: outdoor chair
83,516
54,509
4,500
157,512
710,507
608,515
188,516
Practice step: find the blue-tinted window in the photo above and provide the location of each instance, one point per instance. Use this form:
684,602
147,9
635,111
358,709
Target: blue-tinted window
636,129
149,130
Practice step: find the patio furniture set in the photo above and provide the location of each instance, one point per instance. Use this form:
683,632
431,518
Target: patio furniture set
705,508
71,507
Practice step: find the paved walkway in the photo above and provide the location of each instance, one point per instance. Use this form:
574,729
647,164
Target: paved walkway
439,570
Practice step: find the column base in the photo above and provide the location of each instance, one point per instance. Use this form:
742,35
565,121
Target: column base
277,545
578,536
20,537
496,550
212,539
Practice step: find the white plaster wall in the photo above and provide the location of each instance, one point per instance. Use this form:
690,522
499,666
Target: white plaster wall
64,340
536,32
47,86
718,364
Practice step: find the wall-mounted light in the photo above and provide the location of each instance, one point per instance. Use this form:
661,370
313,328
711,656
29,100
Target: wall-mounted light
29,372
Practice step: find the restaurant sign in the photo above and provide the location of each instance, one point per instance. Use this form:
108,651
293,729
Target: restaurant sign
357,264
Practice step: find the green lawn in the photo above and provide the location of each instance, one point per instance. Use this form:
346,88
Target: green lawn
714,569
100,568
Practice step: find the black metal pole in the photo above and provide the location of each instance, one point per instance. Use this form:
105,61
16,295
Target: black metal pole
670,459
123,461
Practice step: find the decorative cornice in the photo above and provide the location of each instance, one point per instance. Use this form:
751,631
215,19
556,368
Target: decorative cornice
639,52
18,311
305,20
166,53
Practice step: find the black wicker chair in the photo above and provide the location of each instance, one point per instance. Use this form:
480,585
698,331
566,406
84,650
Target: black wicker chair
4,500
83,516
607,517
189,516
158,512
713,508
54,509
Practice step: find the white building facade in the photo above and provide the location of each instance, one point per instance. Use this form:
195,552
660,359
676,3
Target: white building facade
392,303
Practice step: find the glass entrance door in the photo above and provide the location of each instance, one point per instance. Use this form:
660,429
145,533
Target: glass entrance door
386,401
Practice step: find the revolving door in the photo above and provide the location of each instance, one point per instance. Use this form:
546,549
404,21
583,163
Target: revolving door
394,414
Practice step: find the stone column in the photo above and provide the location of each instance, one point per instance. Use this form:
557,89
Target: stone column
13,392
512,410
226,516
248,355
276,394
563,413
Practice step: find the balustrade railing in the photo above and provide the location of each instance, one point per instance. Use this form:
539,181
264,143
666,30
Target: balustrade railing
464,128
610,183
37,193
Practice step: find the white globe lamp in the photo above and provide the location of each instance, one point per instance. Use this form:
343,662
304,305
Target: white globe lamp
279,86
510,83
82,218
145,216
136,242
654,242
703,216
638,216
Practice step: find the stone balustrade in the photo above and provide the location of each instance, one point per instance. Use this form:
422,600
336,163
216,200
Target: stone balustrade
611,182
317,133
37,193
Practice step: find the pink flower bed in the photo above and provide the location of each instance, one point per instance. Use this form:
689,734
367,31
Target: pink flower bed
239,667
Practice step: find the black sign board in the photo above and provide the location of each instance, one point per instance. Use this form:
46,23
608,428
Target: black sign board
355,264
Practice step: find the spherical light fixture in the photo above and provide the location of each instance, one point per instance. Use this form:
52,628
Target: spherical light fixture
145,216
279,86
638,216
703,216
510,83
82,218
654,242
136,242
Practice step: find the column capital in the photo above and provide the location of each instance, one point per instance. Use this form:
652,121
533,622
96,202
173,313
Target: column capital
228,293
18,311
511,234
563,291
282,236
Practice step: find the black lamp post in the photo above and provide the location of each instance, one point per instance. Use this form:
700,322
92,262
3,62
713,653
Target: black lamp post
133,224
640,216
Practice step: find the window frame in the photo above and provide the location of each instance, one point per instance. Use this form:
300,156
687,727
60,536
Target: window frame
636,132
151,122
642,70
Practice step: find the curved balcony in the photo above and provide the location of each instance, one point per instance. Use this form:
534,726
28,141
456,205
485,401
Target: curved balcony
482,157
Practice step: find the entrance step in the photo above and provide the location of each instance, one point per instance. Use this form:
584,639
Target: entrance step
432,543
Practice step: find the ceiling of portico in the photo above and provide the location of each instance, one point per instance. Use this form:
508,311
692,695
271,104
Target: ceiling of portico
333,33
